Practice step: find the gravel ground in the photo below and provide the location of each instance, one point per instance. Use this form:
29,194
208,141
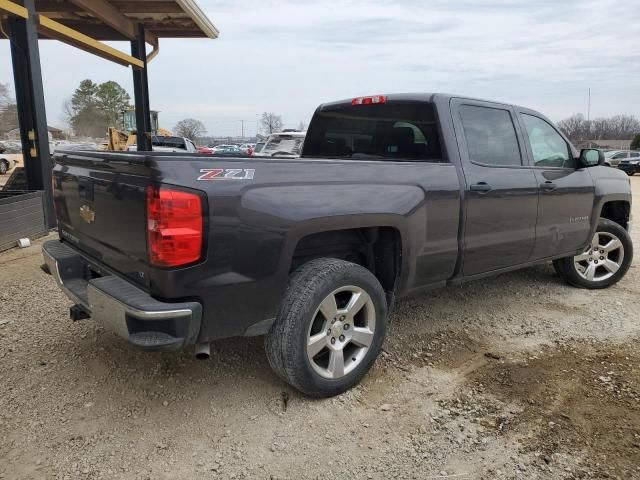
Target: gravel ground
517,376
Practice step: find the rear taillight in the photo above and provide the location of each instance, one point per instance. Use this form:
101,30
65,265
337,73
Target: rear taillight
369,100
174,226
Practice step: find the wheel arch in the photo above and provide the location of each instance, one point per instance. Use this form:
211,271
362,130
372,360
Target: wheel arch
618,211
378,248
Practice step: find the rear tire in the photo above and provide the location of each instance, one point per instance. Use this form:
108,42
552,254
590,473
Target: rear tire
4,167
330,327
603,263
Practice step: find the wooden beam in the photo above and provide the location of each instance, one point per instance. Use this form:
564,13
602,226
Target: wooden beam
124,6
110,15
56,30
14,8
150,7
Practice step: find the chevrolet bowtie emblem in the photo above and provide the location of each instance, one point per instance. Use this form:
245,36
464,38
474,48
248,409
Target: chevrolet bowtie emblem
87,214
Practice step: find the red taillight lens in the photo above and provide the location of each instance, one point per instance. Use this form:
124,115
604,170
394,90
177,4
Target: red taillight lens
174,227
369,100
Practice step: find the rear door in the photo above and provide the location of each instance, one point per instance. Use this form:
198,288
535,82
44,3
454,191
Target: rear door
501,196
566,193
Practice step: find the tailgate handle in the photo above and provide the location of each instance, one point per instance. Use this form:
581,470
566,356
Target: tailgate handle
85,188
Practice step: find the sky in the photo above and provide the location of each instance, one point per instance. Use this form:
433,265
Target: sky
287,57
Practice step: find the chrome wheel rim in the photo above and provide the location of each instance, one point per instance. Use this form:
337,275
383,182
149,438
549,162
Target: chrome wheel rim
341,332
601,259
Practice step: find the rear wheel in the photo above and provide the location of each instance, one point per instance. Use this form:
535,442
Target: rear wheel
4,167
330,327
603,262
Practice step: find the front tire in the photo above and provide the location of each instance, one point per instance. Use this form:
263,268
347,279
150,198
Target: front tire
603,263
330,327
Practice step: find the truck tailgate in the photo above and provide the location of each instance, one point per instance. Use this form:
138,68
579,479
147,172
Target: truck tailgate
101,206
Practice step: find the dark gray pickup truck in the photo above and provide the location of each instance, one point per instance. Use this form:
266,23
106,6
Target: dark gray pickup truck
392,194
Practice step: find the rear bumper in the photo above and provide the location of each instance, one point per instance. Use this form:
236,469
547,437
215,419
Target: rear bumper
121,306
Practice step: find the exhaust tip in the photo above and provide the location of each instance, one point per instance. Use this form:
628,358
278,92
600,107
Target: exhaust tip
203,351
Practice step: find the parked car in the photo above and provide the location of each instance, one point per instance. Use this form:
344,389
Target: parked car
391,194
75,147
613,157
222,147
229,151
11,147
630,165
205,150
248,148
6,163
169,144
285,145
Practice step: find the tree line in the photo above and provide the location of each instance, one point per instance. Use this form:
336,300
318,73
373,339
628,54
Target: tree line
619,127
94,107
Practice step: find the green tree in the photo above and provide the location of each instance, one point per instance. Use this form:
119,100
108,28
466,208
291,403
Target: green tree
95,107
111,100
635,143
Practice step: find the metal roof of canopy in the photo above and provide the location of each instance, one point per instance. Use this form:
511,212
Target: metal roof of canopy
86,23
104,19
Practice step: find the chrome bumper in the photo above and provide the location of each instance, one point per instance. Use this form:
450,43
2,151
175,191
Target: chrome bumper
121,306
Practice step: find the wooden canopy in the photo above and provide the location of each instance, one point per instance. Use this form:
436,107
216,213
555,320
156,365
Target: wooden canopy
86,23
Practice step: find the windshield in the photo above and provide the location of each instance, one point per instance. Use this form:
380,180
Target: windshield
169,142
283,145
394,131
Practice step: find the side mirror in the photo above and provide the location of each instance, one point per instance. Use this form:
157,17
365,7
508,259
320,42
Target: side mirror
591,157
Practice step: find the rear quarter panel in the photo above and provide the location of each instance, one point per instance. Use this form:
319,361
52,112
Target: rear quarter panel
255,225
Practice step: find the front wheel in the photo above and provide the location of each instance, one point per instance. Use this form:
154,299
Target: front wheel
603,262
329,329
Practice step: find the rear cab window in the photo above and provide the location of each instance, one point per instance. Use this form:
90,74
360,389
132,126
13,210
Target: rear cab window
490,135
394,131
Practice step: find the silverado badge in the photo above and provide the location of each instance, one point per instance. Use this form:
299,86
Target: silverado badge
87,214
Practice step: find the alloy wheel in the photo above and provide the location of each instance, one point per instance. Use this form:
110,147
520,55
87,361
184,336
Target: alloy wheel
601,259
341,332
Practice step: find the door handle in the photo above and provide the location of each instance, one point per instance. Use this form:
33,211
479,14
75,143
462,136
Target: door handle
548,186
481,187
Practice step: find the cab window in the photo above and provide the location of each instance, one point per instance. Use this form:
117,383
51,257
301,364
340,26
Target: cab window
547,146
490,135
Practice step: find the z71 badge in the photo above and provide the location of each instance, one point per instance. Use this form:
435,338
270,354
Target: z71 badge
226,174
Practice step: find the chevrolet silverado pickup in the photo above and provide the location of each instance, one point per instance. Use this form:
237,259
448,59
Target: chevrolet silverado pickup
392,193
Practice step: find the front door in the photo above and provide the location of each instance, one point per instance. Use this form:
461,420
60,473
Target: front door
566,193
501,196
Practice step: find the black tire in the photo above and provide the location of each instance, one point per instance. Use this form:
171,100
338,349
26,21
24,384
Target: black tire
630,173
567,269
4,167
286,342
